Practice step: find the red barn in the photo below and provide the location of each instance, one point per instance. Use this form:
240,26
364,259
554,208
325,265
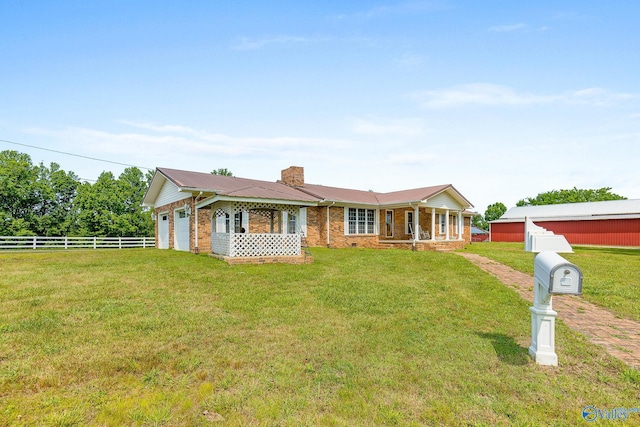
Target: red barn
610,223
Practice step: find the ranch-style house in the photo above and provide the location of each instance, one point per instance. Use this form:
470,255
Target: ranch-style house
245,220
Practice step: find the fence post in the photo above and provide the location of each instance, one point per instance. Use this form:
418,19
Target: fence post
35,242
144,242
66,239
119,242
94,242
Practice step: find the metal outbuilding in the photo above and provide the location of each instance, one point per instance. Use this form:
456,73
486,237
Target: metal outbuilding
609,223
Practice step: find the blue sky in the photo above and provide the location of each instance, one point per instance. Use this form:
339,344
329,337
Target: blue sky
502,99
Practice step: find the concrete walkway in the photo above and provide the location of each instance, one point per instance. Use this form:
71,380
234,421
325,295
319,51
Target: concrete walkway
620,337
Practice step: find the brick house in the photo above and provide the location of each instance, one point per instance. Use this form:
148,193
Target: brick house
245,220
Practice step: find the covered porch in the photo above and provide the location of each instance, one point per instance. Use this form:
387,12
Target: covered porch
423,227
257,232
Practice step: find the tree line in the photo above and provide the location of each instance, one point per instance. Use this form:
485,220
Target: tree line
553,197
40,200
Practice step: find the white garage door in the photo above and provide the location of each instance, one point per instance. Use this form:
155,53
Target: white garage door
163,231
181,231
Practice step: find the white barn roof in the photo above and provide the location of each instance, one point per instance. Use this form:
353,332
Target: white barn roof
613,209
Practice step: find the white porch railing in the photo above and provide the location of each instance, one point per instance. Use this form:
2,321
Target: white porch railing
45,242
256,245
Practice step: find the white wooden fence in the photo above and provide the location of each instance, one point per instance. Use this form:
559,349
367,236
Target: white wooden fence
40,242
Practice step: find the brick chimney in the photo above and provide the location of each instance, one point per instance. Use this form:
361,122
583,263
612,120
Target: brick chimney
293,176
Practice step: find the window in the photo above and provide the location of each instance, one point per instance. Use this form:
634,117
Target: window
237,223
443,223
409,222
361,221
182,214
291,228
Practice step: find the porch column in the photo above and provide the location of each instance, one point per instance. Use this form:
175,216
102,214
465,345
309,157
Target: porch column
460,225
446,224
416,223
328,228
197,249
271,230
433,223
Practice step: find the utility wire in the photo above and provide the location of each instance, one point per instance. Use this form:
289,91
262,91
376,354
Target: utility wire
75,155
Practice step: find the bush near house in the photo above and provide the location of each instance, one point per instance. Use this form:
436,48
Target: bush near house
361,337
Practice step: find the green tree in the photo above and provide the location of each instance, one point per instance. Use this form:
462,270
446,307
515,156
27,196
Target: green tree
112,207
137,220
54,211
478,221
573,195
18,194
49,201
221,171
98,206
493,212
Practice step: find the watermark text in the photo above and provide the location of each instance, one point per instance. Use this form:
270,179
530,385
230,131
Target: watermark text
591,413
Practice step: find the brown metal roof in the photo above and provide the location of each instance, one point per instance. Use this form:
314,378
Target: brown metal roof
234,186
412,195
335,194
251,188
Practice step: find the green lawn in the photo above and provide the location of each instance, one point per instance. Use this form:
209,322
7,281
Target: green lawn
361,337
611,275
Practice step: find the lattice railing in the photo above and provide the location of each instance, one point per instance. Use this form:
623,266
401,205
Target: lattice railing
220,243
255,245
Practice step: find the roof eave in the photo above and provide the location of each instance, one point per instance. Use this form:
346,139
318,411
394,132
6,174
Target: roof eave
224,198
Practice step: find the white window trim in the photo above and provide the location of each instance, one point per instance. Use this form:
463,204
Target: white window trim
442,223
376,220
393,219
408,223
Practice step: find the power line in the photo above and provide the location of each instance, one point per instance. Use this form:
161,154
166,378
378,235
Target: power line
74,155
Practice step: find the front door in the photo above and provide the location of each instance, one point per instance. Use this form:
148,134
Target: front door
389,223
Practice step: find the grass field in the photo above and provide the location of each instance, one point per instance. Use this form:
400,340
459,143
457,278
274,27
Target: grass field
361,337
611,275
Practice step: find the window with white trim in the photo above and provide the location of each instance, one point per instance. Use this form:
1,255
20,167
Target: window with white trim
291,224
361,221
408,223
443,223
238,226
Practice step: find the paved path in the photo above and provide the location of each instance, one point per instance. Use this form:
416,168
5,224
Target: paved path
620,337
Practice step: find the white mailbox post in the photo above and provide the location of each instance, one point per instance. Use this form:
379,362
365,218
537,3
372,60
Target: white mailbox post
552,275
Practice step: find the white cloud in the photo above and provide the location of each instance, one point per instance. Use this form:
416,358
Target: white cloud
150,145
153,145
246,43
388,127
409,60
412,159
598,96
509,28
409,7
497,95
476,93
